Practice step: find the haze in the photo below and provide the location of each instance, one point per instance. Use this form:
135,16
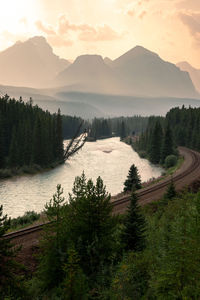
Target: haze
106,27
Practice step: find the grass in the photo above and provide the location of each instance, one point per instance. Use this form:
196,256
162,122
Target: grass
29,218
167,173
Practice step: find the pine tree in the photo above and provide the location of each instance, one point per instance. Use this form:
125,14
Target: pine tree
122,130
10,283
133,181
134,227
171,191
13,151
92,232
168,145
156,143
59,137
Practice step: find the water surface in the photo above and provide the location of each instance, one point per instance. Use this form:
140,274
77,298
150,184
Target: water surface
110,159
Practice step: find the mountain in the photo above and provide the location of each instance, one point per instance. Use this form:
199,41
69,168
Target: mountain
88,73
90,105
138,72
31,63
194,73
108,61
145,73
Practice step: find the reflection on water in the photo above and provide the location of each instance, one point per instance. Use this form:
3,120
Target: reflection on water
108,158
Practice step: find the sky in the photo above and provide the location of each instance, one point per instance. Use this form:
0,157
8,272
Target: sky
170,28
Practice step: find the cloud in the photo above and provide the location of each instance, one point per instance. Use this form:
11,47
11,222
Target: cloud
59,36
87,32
45,28
192,21
189,4
58,41
131,12
100,33
143,14
23,21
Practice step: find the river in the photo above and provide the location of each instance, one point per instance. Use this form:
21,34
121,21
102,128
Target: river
110,159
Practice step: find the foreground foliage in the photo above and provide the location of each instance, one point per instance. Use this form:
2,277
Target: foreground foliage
11,284
86,253
80,244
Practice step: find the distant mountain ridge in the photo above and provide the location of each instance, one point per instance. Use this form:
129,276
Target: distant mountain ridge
194,73
138,72
31,63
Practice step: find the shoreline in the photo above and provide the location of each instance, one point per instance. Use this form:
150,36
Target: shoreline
8,173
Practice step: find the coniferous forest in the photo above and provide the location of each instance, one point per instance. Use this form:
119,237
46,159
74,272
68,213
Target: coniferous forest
86,252
180,127
28,135
119,126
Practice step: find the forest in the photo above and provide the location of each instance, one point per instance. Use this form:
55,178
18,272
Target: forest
89,253
30,137
121,127
180,127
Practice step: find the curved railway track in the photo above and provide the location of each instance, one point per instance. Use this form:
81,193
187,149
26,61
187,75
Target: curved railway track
189,171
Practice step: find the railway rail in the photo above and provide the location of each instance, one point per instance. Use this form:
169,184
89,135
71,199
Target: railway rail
189,171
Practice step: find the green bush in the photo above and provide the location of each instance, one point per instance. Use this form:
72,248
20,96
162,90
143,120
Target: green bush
142,154
28,218
170,161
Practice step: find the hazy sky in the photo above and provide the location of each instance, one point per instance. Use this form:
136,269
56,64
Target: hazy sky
107,27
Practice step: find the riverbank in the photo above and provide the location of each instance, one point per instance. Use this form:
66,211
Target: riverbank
26,170
167,171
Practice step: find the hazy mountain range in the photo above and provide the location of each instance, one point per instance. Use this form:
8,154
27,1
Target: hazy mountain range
194,73
138,82
31,63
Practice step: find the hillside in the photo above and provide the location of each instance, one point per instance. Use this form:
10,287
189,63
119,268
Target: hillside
194,73
31,63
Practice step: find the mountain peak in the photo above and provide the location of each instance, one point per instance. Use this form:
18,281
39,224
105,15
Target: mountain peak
139,50
85,59
135,53
38,40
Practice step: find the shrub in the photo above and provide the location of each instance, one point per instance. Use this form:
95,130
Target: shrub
170,161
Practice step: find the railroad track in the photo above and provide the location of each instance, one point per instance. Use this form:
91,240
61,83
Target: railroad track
186,175
195,165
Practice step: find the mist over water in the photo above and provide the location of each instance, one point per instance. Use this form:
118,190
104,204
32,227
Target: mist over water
110,159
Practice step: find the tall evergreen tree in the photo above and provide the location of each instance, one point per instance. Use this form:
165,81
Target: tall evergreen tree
13,151
134,227
10,283
156,144
59,137
133,181
122,130
168,145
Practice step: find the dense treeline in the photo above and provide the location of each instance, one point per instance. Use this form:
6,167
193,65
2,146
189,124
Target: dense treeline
28,135
70,125
180,127
157,142
121,126
186,126
87,253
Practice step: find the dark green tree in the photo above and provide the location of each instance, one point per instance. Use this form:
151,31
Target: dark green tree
13,151
133,236
10,283
122,130
50,272
59,137
156,144
133,181
171,191
168,144
94,226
